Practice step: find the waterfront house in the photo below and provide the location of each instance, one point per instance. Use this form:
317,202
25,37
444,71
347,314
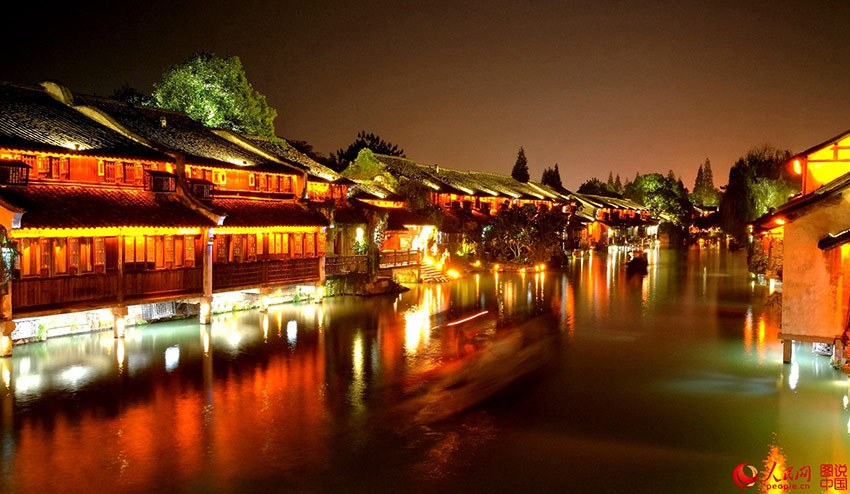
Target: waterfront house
806,241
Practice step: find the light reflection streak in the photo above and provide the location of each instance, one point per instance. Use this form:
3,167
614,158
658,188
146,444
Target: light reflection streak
120,354
761,345
748,332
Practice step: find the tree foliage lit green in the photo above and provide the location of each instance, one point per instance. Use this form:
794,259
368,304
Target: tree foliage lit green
705,194
596,187
758,182
344,157
215,92
664,196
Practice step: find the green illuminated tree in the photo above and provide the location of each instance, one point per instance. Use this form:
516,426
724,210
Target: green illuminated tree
215,92
344,157
520,171
758,182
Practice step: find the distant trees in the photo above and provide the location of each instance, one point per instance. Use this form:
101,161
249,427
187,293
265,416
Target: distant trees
612,188
344,157
128,94
758,182
704,193
215,92
552,178
520,170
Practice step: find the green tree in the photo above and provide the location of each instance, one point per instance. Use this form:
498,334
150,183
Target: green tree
552,178
521,234
618,185
758,182
664,196
596,187
215,92
520,171
704,193
343,157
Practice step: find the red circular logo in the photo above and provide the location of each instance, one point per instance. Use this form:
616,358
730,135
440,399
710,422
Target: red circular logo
745,475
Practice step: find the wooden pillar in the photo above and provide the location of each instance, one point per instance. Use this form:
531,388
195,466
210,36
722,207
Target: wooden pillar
207,264
786,351
7,325
121,266
118,314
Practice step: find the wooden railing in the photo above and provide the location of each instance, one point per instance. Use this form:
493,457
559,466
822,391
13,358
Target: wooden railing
32,294
165,282
247,274
340,265
399,258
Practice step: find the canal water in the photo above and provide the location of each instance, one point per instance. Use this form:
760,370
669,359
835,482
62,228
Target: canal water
586,380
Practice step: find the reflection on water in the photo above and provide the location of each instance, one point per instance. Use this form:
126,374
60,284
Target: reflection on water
586,380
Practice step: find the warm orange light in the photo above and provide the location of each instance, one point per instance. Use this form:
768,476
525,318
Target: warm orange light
779,221
255,229
385,204
797,168
128,231
455,323
453,274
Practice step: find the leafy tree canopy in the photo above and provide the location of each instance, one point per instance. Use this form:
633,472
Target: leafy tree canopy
344,157
596,187
520,170
664,196
367,167
215,92
758,182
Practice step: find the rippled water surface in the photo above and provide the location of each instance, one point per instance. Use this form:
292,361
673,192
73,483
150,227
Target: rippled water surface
576,381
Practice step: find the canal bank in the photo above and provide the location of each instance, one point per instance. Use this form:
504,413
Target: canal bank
661,383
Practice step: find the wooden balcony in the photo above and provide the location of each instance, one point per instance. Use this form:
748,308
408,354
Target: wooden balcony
399,258
342,265
31,295
148,284
262,273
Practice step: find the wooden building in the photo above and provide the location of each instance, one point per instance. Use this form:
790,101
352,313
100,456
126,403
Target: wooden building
807,238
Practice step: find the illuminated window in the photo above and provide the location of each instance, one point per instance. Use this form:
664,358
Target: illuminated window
99,254
46,261
129,173
168,248
297,245
178,251
252,180
157,245
251,248
73,255
189,258
85,255
60,255
236,248
309,245
220,248
109,171
260,238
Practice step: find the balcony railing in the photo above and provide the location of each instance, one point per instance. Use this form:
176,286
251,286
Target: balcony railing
399,258
250,274
341,265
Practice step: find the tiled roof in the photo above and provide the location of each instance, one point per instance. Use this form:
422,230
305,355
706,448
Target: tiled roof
63,206
284,150
31,119
258,213
483,184
200,144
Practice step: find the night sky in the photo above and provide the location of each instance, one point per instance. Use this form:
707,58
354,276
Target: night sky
594,86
